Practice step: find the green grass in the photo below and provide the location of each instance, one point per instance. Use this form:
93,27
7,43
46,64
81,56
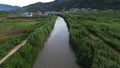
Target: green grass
16,25
95,38
12,32
9,14
7,26
26,56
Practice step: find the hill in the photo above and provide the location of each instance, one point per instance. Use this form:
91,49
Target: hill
44,6
4,7
59,5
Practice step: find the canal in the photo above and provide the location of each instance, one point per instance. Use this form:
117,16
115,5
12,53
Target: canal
57,52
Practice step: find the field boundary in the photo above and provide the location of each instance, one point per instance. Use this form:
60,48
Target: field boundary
95,36
10,53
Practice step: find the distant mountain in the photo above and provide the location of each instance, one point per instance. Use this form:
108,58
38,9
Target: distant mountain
97,4
4,7
59,5
60,1
44,6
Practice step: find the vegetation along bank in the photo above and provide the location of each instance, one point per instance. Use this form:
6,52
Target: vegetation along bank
95,38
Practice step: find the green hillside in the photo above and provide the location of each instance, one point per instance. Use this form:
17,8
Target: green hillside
67,4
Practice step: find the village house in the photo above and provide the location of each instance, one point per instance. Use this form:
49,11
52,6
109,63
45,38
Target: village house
28,14
94,10
40,13
74,9
84,9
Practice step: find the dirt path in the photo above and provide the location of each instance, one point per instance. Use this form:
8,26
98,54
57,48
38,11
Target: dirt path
13,51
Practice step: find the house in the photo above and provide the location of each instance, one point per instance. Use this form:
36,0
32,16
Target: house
74,9
94,10
84,9
51,13
28,14
40,13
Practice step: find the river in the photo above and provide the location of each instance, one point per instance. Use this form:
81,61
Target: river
57,52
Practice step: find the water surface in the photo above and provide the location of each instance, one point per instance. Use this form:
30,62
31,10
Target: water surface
57,52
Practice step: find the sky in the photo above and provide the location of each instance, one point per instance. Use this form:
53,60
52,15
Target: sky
22,3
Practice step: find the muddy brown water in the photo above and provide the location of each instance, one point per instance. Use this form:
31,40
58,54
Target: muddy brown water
57,52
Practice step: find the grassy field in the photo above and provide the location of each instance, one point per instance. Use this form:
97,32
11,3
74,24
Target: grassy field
11,32
9,29
95,37
18,29
10,26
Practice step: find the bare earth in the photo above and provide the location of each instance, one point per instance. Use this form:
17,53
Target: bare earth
13,51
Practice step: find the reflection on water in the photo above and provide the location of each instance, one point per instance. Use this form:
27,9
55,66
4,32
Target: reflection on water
57,52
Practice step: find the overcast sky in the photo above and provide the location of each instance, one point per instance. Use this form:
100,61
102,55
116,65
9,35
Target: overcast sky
21,2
